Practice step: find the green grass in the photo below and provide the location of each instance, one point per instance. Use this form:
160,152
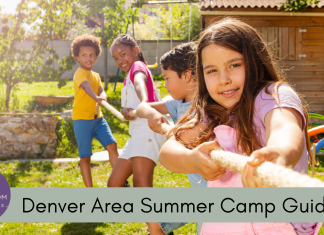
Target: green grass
47,174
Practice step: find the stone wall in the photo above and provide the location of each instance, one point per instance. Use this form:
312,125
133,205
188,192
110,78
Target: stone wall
27,136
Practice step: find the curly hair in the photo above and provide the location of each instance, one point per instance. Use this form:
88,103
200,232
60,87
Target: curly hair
128,40
86,41
181,58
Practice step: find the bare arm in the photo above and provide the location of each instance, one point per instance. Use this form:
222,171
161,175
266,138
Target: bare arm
140,80
102,92
285,143
87,88
176,158
153,113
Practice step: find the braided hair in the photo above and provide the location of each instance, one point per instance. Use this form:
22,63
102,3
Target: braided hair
181,58
128,40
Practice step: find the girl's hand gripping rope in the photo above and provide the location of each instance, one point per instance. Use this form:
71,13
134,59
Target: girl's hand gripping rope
126,113
155,121
205,166
270,154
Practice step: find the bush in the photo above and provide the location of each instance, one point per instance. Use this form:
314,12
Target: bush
67,145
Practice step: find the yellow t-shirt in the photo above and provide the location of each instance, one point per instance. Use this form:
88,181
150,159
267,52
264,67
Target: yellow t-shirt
84,106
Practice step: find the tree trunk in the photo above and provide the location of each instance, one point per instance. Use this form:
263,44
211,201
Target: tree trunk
104,43
8,92
106,65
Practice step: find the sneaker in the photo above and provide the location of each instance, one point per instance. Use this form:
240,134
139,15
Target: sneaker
127,184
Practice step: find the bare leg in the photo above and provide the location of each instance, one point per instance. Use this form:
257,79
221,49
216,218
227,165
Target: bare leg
155,229
143,169
113,153
120,173
86,171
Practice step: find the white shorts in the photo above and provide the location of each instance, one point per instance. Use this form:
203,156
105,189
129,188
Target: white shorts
143,142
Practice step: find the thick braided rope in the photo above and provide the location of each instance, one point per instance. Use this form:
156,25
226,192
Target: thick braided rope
97,109
115,112
268,173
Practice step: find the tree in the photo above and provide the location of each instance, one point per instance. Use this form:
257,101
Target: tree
113,21
161,22
47,19
297,5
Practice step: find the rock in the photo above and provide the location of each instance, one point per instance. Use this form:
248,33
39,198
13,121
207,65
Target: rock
29,148
8,147
16,128
50,123
26,135
52,135
49,151
4,119
16,120
41,139
32,130
36,148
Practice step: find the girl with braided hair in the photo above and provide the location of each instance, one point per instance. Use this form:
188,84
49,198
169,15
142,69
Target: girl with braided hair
141,152
244,106
179,72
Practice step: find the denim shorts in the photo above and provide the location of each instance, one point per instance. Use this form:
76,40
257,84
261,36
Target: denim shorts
85,130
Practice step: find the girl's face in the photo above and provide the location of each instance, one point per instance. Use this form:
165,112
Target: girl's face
224,74
124,56
173,84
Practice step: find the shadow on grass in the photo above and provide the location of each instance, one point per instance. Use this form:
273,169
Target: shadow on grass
25,169
81,228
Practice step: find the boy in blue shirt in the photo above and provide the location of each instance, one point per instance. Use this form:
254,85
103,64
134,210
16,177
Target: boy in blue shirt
178,71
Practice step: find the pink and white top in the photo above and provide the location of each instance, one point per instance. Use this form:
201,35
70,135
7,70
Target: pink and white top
226,137
140,66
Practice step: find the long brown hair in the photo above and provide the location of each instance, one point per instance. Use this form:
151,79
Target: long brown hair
260,72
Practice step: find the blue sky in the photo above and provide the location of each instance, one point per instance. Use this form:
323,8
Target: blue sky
8,6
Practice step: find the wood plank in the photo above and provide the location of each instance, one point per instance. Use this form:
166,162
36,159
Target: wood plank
264,33
284,46
284,21
258,29
315,29
299,45
271,40
276,42
313,36
313,49
307,68
291,43
306,82
312,93
314,56
313,42
309,87
303,75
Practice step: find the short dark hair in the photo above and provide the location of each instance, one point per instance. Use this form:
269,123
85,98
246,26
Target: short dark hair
85,40
181,58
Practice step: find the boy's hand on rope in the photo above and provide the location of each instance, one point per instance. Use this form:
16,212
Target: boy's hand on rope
155,121
100,99
205,166
125,113
271,154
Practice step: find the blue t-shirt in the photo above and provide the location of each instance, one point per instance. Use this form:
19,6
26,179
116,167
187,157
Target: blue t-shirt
176,108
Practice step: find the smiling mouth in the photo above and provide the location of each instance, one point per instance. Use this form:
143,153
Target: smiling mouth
229,92
124,65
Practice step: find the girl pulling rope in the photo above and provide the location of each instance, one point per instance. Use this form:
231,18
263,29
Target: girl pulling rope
244,105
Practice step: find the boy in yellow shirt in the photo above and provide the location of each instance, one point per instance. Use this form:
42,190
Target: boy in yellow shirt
88,92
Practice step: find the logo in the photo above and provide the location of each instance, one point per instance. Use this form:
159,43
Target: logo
4,194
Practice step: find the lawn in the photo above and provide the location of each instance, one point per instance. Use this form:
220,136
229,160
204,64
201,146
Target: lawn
47,174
